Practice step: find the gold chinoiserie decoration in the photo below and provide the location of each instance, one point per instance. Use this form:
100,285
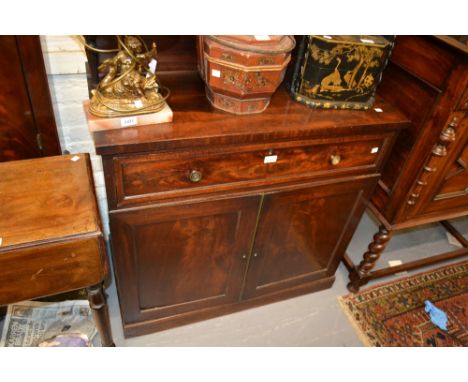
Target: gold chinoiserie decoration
129,85
364,58
339,72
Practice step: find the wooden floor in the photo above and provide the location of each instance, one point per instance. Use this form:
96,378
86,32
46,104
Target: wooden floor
311,320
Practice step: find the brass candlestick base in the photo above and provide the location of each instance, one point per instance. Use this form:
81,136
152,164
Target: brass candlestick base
102,105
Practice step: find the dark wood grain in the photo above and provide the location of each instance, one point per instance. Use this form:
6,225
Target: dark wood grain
52,268
406,87
424,57
151,177
246,232
413,100
50,233
463,104
446,154
41,203
197,123
39,94
98,305
161,252
139,328
456,179
424,180
185,258
25,107
370,257
17,129
297,240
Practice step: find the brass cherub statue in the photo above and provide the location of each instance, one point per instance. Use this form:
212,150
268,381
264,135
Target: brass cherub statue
130,85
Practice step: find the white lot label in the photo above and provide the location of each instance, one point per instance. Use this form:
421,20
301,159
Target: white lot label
215,73
128,121
394,263
378,109
152,65
374,150
270,159
262,37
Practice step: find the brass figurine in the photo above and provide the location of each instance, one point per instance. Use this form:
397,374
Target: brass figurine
129,85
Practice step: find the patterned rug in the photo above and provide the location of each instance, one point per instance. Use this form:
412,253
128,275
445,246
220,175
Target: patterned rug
392,314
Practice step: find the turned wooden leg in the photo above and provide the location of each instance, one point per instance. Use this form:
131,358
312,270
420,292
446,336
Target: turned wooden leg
98,304
357,277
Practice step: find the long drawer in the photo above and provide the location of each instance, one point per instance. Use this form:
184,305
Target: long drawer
154,176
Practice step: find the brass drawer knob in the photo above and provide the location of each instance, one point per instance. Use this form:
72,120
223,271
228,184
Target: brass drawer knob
195,176
335,159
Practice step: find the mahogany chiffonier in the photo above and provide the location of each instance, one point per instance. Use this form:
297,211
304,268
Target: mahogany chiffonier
426,178
51,239
216,212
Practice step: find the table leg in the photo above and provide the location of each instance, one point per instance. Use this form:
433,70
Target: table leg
98,304
358,275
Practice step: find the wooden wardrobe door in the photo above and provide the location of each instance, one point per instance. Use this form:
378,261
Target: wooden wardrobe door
172,260
27,124
303,234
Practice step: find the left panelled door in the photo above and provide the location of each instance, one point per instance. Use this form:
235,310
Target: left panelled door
181,259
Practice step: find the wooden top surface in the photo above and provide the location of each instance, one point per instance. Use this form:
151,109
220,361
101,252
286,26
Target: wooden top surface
196,122
46,199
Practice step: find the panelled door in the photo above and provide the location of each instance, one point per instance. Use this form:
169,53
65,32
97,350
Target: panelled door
178,259
302,234
27,124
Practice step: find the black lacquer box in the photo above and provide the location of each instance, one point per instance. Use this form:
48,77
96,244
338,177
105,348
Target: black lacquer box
339,72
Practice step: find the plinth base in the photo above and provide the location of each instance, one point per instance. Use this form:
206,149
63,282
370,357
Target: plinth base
99,123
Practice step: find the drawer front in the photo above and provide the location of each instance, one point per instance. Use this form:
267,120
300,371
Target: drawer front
143,178
52,268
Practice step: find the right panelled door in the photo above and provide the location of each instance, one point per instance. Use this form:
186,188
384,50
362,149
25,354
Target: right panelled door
302,235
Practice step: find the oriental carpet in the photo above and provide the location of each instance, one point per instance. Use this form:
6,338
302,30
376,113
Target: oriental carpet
392,314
